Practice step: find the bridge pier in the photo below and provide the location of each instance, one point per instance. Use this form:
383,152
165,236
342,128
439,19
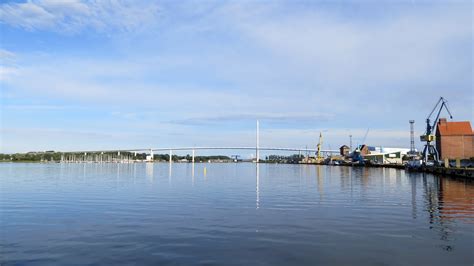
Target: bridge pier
171,156
193,157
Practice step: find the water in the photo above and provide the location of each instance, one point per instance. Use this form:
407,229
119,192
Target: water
231,214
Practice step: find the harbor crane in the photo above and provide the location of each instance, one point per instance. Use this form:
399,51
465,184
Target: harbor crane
365,136
430,149
356,154
319,156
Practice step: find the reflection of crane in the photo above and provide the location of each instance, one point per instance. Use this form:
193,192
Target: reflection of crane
428,137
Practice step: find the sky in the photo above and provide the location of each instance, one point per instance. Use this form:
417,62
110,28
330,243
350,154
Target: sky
112,74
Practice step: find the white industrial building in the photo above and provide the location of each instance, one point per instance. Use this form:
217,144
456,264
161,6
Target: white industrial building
384,155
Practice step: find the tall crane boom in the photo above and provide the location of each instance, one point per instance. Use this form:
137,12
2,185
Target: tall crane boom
365,136
428,137
319,157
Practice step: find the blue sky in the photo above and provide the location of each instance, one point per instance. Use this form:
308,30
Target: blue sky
78,75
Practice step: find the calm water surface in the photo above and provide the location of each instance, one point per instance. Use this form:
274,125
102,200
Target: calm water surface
61,214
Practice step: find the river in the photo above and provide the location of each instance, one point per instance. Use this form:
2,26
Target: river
231,214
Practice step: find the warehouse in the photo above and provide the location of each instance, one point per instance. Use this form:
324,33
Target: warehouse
454,139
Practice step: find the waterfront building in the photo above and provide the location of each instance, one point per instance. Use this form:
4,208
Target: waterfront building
385,158
384,155
344,150
454,139
364,149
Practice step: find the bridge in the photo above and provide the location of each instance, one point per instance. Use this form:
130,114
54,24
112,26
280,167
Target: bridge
170,150
256,148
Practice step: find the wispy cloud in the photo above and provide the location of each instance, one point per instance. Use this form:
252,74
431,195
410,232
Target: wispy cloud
297,66
34,107
6,55
251,117
7,72
7,65
74,16
19,139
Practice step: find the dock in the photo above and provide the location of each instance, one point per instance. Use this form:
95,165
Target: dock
467,173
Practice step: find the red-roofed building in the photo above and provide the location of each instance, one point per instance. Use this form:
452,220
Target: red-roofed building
454,139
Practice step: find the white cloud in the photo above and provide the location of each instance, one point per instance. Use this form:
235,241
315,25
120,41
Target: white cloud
339,53
226,116
235,62
7,65
33,107
160,136
73,16
6,73
6,55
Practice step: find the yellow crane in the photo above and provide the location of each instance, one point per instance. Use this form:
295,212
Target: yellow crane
319,157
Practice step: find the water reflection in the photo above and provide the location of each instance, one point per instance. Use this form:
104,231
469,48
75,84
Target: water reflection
456,198
257,174
345,178
365,176
305,210
134,169
149,171
169,171
319,179
398,175
413,196
446,200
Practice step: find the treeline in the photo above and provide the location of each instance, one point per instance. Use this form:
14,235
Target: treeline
31,157
295,158
166,157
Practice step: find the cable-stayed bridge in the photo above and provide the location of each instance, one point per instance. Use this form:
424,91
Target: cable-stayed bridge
256,148
171,150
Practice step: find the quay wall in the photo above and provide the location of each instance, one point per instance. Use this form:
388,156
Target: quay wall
467,173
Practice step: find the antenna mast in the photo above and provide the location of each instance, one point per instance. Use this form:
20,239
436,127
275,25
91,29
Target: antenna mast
412,137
